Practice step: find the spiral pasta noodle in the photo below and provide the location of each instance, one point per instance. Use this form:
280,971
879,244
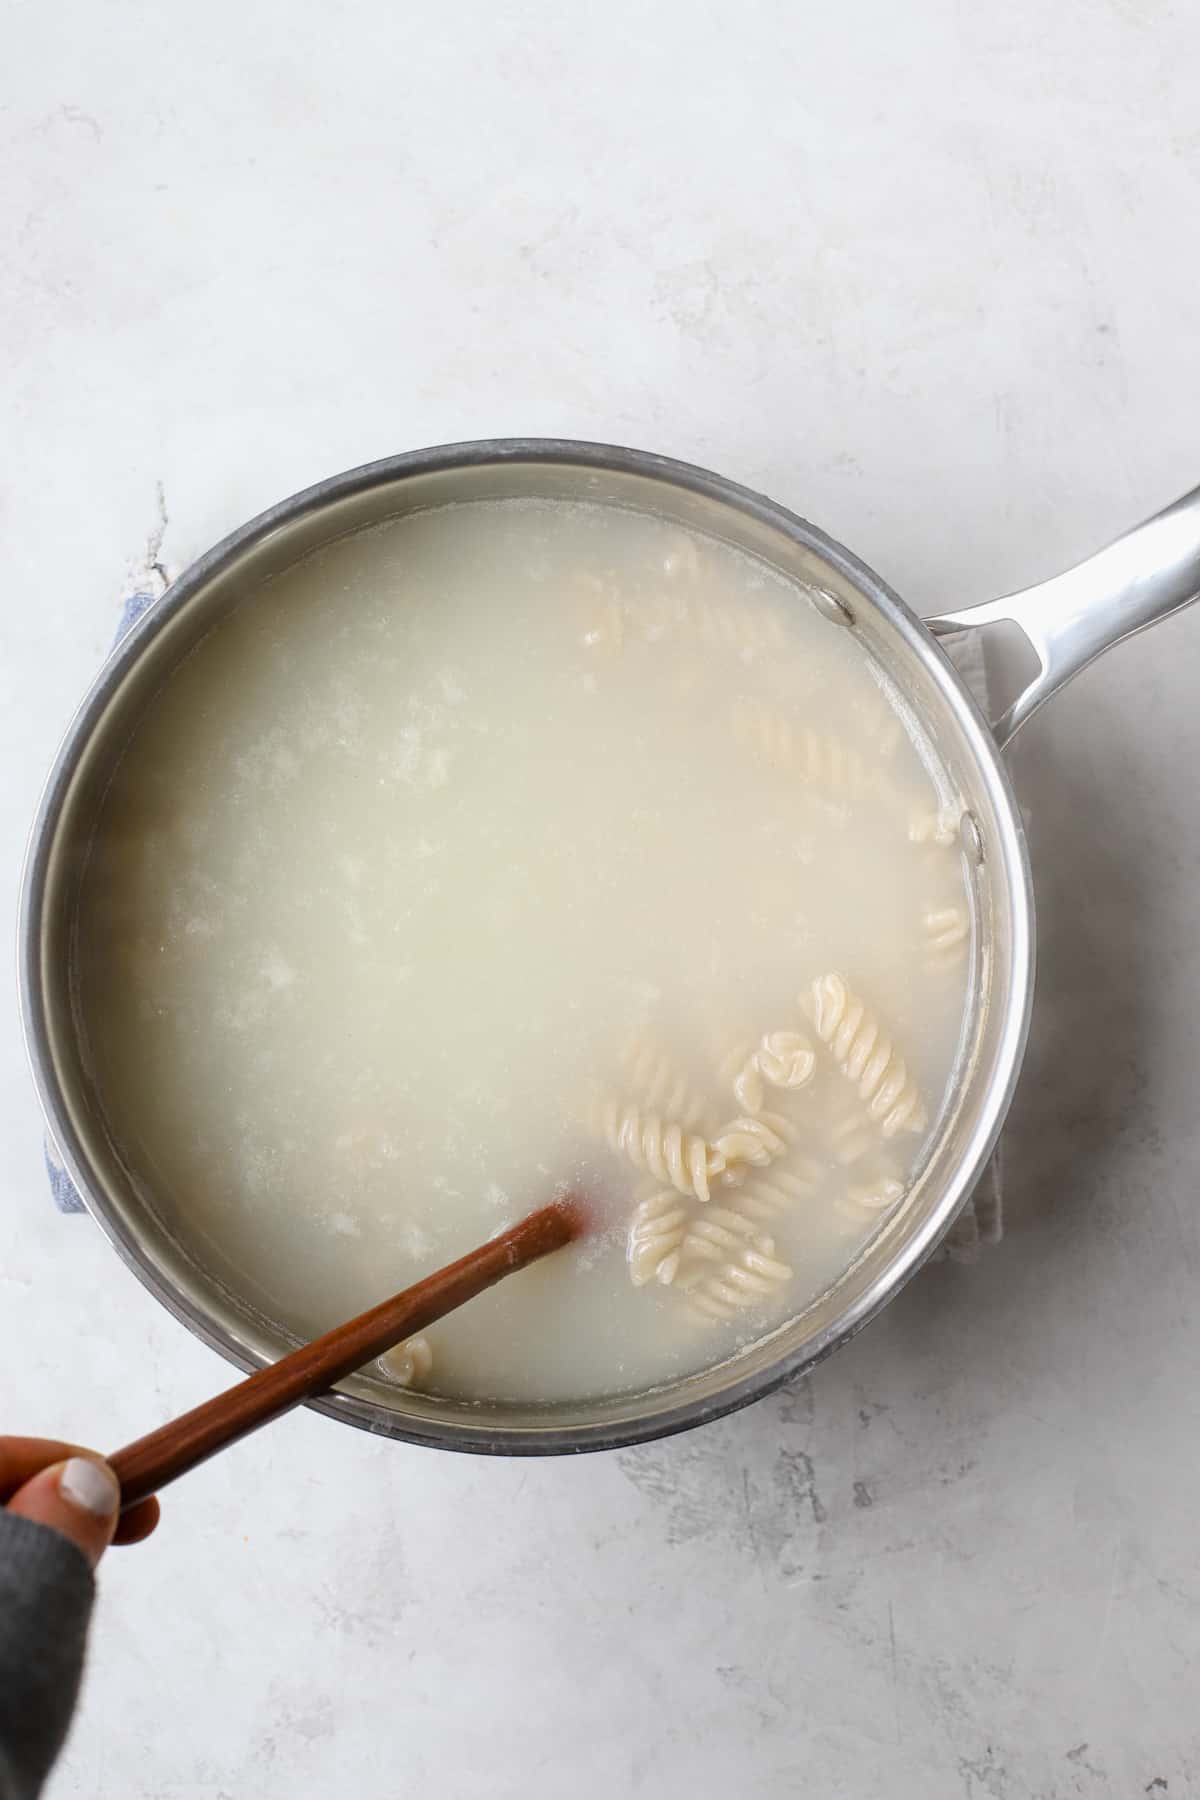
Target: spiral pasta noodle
752,1142
744,632
720,1254
720,1232
747,1279
818,760
659,1085
946,930
407,1363
865,1201
681,607
781,1189
850,1136
661,1148
784,1059
737,1069
935,825
866,1057
656,1238
742,629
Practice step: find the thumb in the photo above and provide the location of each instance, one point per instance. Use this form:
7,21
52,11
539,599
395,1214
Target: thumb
79,1498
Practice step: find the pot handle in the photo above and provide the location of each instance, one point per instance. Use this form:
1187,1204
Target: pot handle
1073,618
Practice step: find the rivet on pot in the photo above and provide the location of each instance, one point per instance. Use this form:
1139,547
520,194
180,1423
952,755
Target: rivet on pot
830,607
971,837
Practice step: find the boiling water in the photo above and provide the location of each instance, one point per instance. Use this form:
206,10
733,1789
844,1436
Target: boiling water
464,858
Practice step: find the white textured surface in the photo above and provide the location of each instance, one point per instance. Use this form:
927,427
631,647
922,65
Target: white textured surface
926,273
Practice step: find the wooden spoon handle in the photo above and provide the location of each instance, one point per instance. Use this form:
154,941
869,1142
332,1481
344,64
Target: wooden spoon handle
149,1464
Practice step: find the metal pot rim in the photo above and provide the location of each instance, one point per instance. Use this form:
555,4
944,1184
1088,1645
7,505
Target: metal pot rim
511,1440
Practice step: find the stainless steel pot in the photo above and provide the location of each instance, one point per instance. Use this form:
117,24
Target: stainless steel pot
1067,621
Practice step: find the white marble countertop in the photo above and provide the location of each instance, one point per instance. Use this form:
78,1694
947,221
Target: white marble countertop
925,273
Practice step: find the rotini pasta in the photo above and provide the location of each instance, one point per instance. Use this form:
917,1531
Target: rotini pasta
724,1258
688,1160
721,1231
866,1057
747,1279
935,825
748,1088
753,1141
865,1201
850,1136
659,1085
946,931
730,1060
744,634
818,760
683,607
693,607
785,1059
407,1363
663,1149
782,1189
656,1237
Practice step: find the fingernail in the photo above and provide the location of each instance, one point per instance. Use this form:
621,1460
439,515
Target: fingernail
91,1486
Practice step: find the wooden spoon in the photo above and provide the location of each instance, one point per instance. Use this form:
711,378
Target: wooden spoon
149,1464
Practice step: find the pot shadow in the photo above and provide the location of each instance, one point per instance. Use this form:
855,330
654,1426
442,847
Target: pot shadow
1086,1075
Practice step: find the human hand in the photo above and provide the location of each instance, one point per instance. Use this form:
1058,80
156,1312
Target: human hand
73,1491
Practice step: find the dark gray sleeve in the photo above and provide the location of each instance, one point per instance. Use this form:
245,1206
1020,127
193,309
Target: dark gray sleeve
46,1591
